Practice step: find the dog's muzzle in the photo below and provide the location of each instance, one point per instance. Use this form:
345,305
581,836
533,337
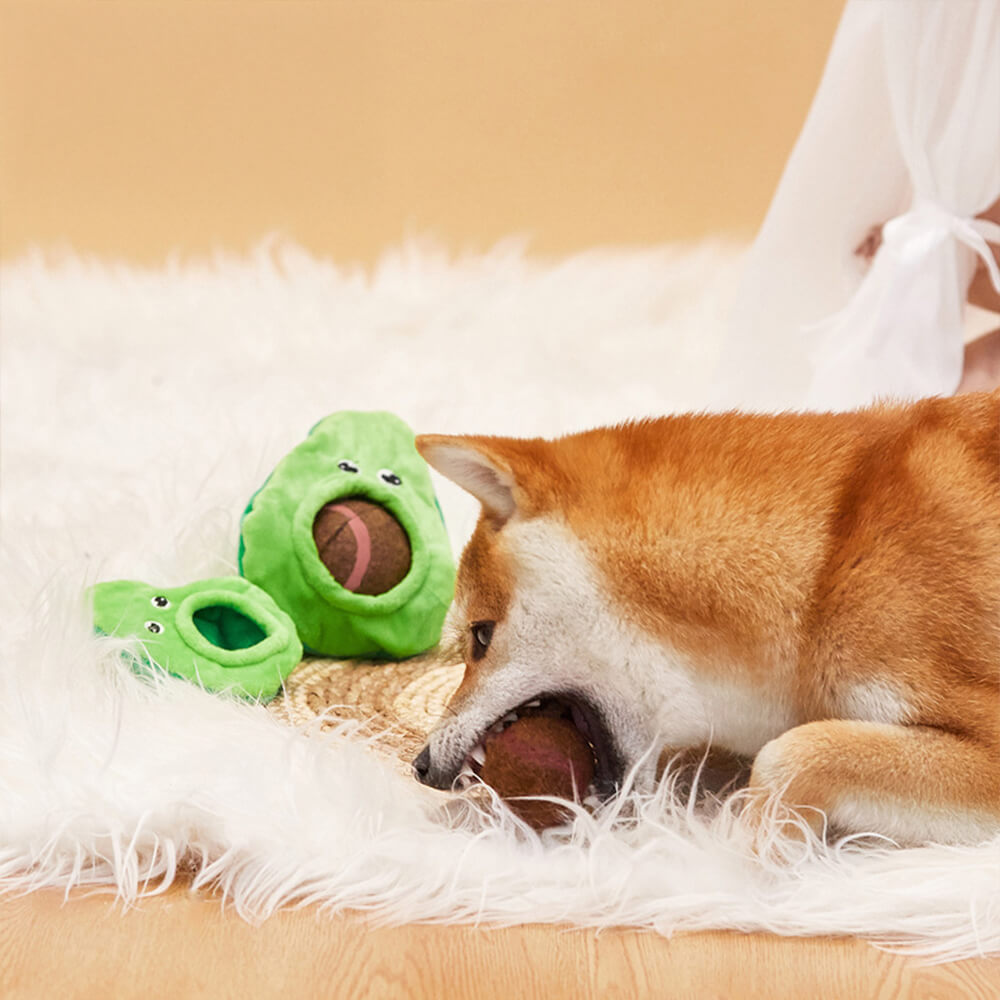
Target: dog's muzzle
422,765
425,772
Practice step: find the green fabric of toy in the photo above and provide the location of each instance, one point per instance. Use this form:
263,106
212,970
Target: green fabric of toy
224,633
351,456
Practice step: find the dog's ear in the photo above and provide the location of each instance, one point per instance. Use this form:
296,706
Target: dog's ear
496,471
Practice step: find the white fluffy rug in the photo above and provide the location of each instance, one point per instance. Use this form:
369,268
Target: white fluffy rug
140,409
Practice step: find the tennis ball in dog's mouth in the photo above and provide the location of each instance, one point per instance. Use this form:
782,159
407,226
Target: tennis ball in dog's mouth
362,545
538,755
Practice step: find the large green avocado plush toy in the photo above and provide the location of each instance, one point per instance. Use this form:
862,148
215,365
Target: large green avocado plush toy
347,536
224,634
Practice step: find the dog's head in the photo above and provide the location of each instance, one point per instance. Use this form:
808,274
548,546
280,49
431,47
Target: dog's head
538,621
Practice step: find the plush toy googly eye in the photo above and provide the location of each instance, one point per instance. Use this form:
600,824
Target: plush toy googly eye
346,465
160,602
155,627
390,477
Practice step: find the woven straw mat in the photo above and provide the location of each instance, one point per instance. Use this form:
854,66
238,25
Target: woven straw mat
398,701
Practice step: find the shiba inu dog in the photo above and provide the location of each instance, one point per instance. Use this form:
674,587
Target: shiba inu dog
818,591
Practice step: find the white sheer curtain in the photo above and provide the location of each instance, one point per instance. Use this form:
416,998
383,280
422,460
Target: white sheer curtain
904,130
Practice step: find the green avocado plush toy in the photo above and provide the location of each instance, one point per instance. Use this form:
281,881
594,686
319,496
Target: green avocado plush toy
224,634
347,536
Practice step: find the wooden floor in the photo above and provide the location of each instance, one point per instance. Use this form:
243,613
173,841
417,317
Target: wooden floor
184,946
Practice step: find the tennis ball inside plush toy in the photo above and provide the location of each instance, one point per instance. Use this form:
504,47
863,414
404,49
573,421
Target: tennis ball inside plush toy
538,755
362,545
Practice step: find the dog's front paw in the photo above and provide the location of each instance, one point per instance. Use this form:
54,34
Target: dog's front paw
775,832
781,818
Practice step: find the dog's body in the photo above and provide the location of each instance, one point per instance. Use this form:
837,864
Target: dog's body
819,591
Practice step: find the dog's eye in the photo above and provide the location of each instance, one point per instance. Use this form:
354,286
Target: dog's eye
390,477
482,633
345,465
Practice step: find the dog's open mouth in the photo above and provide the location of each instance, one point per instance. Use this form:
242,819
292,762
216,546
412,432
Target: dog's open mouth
588,722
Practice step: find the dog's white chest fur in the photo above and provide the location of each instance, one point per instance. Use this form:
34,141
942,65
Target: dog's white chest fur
741,718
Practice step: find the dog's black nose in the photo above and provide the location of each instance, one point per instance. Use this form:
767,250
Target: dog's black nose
422,764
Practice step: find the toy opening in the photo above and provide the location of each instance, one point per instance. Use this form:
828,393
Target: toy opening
227,628
362,544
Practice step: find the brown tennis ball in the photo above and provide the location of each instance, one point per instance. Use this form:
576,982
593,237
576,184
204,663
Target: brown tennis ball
538,755
362,545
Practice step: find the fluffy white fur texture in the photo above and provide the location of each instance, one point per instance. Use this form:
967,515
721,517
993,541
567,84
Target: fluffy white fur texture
140,411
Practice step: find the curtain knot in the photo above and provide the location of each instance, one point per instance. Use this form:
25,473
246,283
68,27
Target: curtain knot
928,222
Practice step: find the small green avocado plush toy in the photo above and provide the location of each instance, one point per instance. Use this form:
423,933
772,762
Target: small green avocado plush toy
224,634
347,536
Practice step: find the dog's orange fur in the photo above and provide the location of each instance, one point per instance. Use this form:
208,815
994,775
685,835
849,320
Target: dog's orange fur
812,552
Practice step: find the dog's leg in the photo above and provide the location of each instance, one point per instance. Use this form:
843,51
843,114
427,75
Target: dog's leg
911,783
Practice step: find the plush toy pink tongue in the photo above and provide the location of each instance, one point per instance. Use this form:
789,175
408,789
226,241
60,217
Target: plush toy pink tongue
362,545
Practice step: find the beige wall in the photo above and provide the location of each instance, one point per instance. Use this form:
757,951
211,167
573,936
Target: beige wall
130,128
